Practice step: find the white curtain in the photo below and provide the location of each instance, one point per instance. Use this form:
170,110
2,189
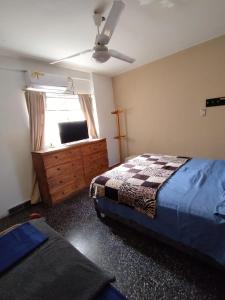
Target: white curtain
86,106
36,110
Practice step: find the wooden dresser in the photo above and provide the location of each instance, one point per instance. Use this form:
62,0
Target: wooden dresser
65,170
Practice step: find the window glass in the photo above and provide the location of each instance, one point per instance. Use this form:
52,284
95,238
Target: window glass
60,108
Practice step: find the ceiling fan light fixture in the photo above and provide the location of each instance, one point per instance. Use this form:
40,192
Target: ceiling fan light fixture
101,56
108,33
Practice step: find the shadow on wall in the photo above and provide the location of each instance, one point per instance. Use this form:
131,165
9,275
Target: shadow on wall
17,147
22,169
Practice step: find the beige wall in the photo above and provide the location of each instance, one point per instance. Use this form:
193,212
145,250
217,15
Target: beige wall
162,102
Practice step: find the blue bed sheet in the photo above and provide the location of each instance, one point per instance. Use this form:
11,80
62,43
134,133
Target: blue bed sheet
190,208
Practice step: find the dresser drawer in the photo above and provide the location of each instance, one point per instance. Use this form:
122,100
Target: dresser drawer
75,153
65,192
58,182
103,166
97,165
57,158
64,169
93,173
95,158
96,169
77,165
79,182
93,148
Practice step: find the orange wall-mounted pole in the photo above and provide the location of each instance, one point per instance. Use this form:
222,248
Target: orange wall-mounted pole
119,136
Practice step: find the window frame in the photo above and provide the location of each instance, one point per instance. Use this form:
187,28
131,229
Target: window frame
51,135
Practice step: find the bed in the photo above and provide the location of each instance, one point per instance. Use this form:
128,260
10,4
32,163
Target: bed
190,208
53,270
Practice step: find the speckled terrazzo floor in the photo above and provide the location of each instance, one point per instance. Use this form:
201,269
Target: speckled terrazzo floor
145,269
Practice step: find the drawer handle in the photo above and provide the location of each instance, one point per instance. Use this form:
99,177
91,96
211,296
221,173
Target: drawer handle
56,156
58,169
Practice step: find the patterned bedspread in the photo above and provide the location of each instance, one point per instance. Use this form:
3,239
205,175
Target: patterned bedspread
137,182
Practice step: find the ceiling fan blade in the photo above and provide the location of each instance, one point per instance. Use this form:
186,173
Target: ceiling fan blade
71,56
121,56
111,22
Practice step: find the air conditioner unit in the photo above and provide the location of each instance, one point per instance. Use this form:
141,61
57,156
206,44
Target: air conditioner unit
43,81
57,83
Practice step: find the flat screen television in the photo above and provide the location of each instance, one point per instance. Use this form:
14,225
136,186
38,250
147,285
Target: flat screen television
73,131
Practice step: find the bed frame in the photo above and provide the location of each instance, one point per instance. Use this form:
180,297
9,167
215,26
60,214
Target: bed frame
152,234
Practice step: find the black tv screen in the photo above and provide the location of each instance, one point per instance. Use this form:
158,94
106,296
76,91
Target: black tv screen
73,131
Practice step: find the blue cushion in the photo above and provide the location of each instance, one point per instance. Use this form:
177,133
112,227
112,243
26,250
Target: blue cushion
18,243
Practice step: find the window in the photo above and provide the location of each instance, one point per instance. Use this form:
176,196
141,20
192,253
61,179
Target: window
60,108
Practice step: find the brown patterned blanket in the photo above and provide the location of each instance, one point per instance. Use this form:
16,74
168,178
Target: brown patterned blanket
137,182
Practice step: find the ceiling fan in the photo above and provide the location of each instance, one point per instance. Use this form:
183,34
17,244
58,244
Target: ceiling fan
101,53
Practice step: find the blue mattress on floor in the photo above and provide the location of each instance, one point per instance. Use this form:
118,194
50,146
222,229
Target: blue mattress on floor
54,270
190,208
110,293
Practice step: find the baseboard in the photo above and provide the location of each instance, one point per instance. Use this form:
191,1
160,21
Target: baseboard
19,207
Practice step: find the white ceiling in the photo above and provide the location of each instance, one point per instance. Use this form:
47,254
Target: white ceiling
147,30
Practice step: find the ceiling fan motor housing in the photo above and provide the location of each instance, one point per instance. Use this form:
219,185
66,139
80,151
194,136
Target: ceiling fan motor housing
101,55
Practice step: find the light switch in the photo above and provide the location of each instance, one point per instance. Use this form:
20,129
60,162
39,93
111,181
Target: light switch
203,112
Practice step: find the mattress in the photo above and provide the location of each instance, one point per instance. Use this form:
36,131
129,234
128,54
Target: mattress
190,208
110,293
56,270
